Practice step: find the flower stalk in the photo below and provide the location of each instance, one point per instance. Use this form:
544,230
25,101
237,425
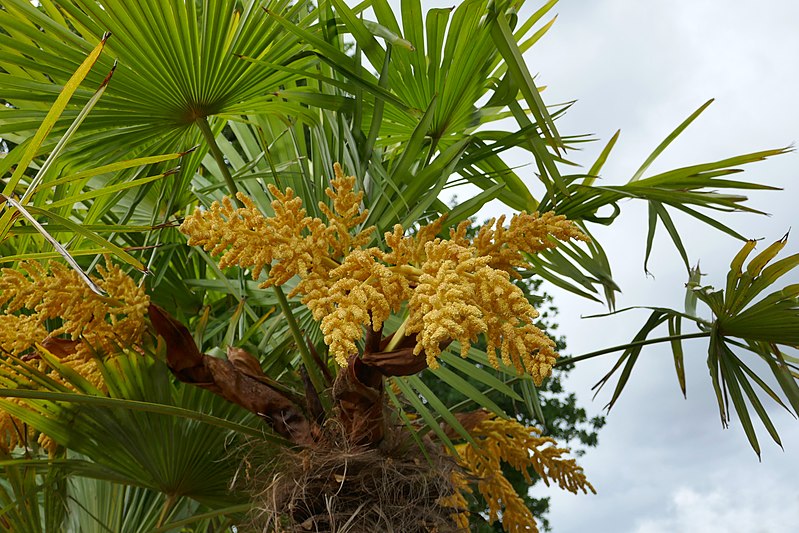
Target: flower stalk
313,372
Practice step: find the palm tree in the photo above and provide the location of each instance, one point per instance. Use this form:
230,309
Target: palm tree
273,95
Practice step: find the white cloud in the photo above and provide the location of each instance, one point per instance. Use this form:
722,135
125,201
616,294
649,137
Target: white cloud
739,509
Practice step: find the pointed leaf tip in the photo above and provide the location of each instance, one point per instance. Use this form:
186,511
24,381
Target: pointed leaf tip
108,76
757,264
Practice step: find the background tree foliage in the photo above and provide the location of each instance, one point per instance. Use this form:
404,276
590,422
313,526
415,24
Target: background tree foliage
115,137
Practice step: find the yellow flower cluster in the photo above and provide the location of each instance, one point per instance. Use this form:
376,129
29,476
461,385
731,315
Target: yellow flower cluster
526,234
290,242
39,304
500,440
456,289
360,292
459,296
33,294
457,500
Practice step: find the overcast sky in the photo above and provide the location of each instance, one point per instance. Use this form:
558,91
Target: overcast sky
664,464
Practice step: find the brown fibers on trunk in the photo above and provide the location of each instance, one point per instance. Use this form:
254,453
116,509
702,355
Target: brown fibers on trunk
395,487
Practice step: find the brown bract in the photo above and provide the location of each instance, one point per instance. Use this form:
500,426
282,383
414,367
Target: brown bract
358,389
237,380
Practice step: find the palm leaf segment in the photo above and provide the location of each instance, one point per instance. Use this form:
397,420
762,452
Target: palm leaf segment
764,327
434,71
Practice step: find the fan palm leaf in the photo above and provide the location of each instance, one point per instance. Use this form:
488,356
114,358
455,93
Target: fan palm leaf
144,444
178,64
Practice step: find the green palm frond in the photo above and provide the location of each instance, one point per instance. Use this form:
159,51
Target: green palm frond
743,320
55,200
686,188
32,498
446,65
701,191
101,506
177,81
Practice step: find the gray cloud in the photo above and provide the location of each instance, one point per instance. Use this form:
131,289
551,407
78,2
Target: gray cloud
744,509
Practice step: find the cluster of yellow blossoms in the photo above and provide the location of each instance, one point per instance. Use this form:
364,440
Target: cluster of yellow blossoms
500,440
456,289
53,306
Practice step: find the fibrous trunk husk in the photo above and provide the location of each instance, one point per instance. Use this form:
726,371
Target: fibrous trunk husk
339,488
